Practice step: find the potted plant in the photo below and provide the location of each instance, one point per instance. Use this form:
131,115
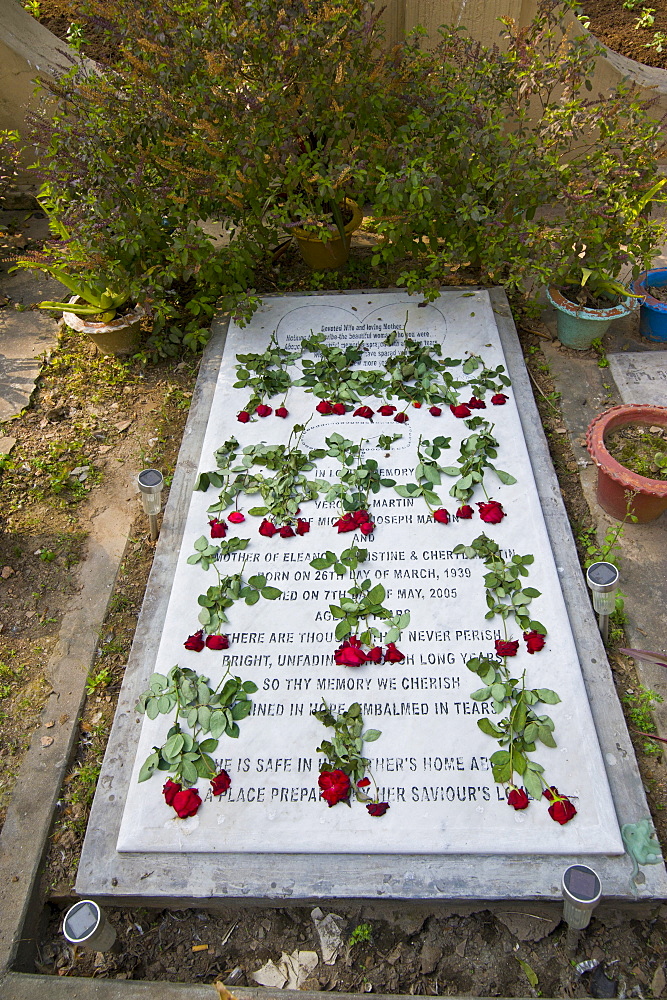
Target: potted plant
586,302
621,491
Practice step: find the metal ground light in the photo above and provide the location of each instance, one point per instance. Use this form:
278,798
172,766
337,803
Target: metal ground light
602,578
151,483
582,890
85,924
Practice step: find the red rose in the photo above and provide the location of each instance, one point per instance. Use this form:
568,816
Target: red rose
441,516
287,531
460,411
518,799
360,517
393,655
561,809
302,527
374,655
401,418
263,410
387,410
377,808
416,405
243,417
499,399
476,404
339,408
334,786
367,527
186,802
195,642
267,528
220,783
534,641
218,528
491,512
236,517
435,411
345,523
363,783
364,411
465,512
324,407
350,654
282,412
507,647
169,790
217,642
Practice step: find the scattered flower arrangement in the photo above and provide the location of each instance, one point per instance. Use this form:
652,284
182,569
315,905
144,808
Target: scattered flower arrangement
202,714
345,772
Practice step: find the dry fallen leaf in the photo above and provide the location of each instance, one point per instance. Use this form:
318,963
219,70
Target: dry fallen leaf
223,992
49,725
46,741
7,571
123,425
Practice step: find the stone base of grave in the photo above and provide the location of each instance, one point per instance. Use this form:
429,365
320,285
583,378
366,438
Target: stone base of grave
136,854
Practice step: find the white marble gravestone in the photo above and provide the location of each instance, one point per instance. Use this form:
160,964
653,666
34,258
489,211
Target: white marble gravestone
641,376
431,762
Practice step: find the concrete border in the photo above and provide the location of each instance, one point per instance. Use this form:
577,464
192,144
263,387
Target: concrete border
112,878
30,814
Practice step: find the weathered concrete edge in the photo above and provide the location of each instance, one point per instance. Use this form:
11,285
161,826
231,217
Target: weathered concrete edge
30,814
112,878
617,751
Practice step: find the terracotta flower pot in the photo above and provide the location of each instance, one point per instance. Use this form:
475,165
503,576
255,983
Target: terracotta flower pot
578,326
327,256
117,338
620,490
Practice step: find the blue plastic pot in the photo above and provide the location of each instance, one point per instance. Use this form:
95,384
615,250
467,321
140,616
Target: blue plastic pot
578,326
653,313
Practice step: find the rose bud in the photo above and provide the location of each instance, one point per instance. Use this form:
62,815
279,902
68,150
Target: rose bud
169,790
377,808
243,417
561,809
476,404
499,399
217,642
350,654
220,783
218,528
236,517
401,418
367,528
435,411
282,412
364,411
287,531
374,655
534,641
267,528
460,411
195,642
441,516
393,655
507,647
387,410
186,802
363,783
324,407
491,512
518,799
465,512
302,527
339,408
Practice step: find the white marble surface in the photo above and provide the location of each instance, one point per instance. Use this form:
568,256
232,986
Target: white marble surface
431,762
641,376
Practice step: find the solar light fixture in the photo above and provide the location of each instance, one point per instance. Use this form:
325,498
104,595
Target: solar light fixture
581,894
602,578
150,483
86,924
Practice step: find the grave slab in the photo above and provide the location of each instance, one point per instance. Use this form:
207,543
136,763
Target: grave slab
449,832
641,376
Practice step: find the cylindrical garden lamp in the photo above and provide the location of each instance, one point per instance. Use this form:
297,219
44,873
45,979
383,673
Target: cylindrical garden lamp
150,483
602,578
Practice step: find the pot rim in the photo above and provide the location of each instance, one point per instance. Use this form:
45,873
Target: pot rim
649,300
354,223
558,300
619,416
84,325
